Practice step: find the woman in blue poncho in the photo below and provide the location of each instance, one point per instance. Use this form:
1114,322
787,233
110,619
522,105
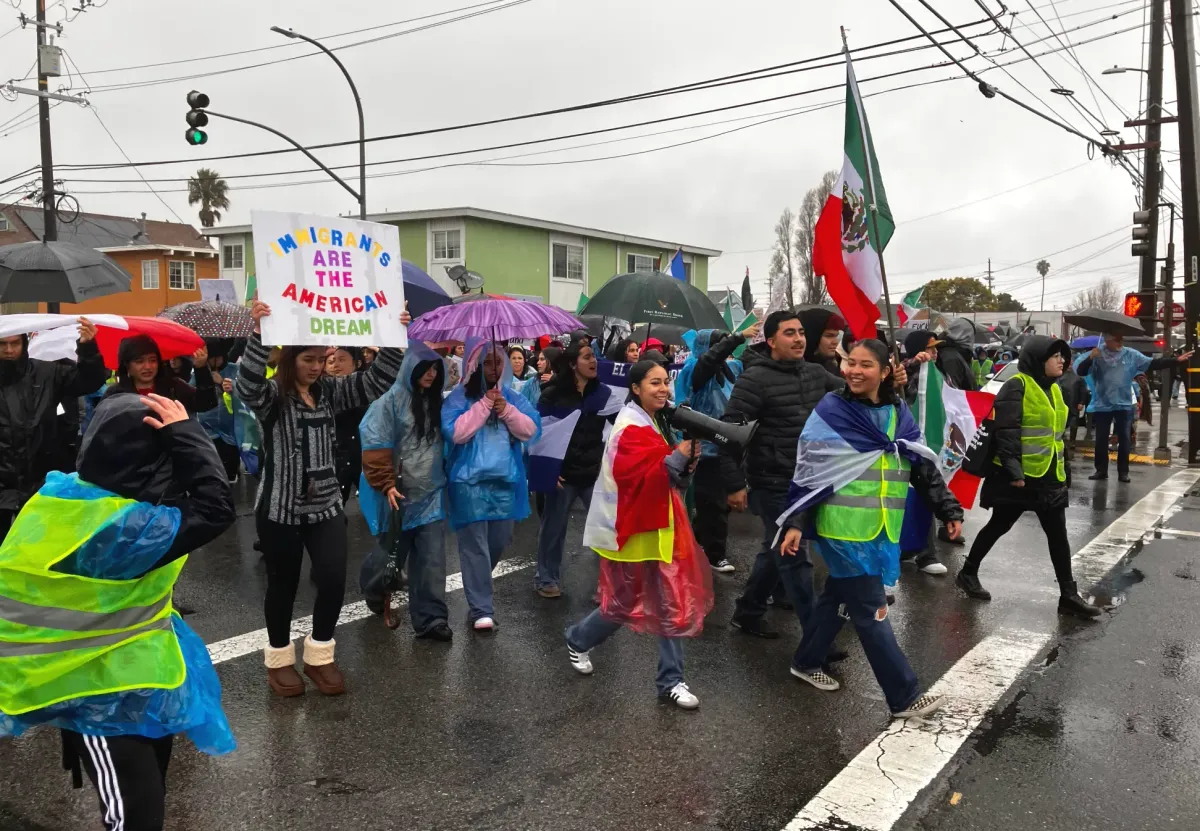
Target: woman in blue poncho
859,452
96,552
486,426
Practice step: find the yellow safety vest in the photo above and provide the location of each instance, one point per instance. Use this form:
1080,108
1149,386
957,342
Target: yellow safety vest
63,636
874,501
1043,424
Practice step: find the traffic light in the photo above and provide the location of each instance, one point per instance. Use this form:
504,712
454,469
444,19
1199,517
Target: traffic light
1140,304
1141,233
196,118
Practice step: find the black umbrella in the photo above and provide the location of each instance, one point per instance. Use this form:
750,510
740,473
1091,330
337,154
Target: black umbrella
57,272
648,297
594,323
665,332
1101,320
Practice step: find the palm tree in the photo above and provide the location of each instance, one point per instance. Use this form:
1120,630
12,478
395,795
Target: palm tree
212,193
1043,268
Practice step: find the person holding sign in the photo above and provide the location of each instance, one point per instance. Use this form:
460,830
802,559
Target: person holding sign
299,504
488,424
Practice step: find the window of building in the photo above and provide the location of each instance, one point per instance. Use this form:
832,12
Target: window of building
181,275
150,274
687,272
639,262
566,261
231,254
447,245
3,222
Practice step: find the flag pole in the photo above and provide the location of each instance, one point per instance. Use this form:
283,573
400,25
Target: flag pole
874,209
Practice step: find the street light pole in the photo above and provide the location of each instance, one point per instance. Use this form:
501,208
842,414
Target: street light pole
362,129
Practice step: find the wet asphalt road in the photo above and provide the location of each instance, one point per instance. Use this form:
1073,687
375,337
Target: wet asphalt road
499,733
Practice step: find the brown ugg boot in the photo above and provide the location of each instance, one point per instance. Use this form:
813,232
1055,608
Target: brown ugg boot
320,668
281,671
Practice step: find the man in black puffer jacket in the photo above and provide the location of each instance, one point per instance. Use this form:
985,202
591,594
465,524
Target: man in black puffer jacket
778,389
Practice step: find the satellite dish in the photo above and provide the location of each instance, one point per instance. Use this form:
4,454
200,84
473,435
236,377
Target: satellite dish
466,280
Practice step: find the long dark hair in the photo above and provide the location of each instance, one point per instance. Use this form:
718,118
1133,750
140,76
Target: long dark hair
887,391
616,351
637,374
564,368
285,373
427,403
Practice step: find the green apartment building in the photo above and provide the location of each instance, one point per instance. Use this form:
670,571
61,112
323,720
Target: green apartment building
517,255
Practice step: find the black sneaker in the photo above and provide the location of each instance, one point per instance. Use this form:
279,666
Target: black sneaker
756,626
1124,478
971,585
439,632
1098,477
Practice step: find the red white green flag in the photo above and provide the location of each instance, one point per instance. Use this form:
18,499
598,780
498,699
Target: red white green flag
909,306
949,419
848,245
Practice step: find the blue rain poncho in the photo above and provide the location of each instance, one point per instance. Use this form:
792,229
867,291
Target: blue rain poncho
389,425
123,550
218,422
487,479
1111,378
714,395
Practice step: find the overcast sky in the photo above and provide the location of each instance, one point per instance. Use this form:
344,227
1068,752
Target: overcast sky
939,146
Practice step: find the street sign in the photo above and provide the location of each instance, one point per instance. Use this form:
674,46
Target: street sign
1177,312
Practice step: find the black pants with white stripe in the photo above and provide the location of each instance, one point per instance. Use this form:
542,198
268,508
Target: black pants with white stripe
129,774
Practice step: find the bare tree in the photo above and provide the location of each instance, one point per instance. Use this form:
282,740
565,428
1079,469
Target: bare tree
1104,295
783,265
812,287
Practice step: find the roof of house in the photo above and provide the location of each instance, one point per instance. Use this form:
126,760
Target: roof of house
106,233
510,219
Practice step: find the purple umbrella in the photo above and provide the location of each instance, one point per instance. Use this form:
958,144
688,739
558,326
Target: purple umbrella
492,318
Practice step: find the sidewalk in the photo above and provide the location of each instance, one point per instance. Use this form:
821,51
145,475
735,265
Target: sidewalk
1147,440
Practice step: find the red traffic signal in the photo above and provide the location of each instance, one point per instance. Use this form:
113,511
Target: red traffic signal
1140,304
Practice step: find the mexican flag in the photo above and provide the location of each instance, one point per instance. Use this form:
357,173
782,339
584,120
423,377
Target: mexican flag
948,418
850,237
909,306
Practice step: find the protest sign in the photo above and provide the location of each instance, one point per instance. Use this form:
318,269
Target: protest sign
328,280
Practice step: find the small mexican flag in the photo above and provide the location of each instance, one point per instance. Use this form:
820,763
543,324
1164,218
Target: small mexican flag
949,418
848,243
909,306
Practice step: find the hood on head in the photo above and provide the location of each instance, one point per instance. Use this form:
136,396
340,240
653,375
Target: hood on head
123,454
816,322
474,352
1036,351
960,332
415,364
918,341
12,371
702,342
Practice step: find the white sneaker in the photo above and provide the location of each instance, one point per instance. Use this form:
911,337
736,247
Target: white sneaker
485,624
581,661
818,679
923,706
682,697
933,568
724,567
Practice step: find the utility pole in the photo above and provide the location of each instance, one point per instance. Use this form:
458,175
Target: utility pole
48,218
1185,87
1162,453
989,274
1152,170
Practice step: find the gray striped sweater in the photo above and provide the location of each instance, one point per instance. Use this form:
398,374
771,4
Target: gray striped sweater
298,481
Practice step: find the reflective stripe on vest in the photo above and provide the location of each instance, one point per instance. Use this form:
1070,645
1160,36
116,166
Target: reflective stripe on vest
874,502
65,636
1043,424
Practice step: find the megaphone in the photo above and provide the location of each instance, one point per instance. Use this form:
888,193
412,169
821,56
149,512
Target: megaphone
694,425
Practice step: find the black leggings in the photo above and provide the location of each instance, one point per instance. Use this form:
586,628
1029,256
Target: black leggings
1004,517
283,548
231,457
129,774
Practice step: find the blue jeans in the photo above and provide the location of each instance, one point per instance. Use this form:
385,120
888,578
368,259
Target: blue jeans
771,568
480,545
425,549
1122,422
553,533
594,630
866,606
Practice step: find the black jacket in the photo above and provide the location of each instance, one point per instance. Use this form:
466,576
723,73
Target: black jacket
713,361
585,452
30,392
124,455
926,481
815,323
1042,492
956,353
1074,392
779,395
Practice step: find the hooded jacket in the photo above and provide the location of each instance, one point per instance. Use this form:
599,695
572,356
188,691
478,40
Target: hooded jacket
1039,493
196,399
707,377
30,391
955,355
815,322
779,395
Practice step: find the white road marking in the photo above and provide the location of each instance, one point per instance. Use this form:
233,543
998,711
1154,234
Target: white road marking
876,788
250,642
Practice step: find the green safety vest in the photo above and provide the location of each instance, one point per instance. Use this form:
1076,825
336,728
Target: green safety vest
1042,427
982,368
63,636
858,511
